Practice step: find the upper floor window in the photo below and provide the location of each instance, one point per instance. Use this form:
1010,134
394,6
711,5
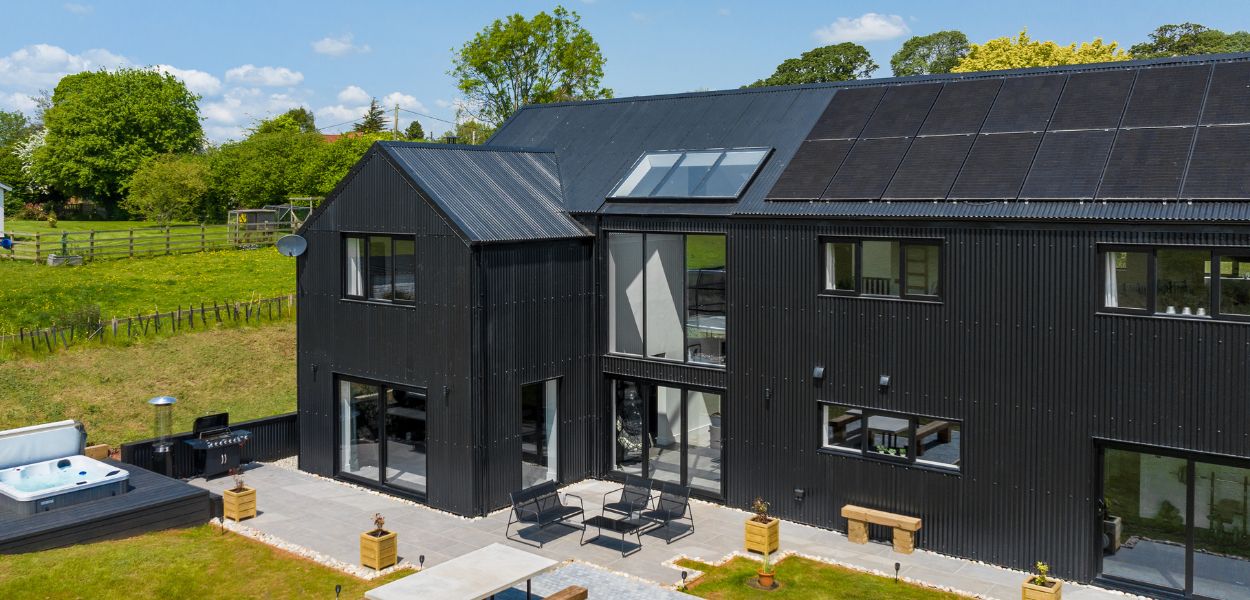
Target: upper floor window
666,296
705,174
1177,281
880,267
380,267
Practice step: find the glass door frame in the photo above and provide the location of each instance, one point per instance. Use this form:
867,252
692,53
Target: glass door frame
559,381
647,389
380,481
1190,459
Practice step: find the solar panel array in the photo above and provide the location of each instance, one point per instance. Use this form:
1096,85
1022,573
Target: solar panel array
1145,133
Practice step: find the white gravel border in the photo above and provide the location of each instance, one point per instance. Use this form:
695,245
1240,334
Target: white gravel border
321,559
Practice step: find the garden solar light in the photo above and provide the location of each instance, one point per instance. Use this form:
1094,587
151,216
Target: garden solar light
897,566
337,590
421,561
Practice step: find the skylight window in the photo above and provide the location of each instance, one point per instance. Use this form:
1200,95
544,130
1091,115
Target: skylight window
708,174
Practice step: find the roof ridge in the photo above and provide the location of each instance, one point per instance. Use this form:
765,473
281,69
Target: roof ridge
943,77
469,147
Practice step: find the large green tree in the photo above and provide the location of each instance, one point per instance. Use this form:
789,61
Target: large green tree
839,62
926,54
414,132
15,129
517,61
296,120
374,120
325,167
1022,52
1188,39
264,168
168,187
102,125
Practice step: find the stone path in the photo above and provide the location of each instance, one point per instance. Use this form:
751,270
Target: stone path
327,516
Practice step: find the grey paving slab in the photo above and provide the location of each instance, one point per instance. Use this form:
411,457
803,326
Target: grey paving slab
327,517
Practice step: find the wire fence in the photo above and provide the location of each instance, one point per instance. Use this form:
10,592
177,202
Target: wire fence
74,246
205,316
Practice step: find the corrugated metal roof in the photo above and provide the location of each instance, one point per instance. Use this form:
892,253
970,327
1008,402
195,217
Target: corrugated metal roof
490,194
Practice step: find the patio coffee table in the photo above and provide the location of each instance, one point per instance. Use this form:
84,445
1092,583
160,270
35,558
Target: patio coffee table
623,526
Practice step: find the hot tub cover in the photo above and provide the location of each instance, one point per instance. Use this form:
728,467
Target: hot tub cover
37,443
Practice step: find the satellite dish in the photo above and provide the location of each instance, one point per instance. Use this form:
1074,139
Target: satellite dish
292,245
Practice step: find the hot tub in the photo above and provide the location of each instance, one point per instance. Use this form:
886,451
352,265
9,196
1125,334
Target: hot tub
42,468
50,484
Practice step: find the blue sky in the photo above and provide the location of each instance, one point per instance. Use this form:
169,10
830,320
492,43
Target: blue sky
253,59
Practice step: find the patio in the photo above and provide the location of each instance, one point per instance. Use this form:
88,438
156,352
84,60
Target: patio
326,517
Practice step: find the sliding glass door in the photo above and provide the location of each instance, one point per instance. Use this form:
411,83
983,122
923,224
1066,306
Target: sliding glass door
1176,524
373,413
540,432
668,434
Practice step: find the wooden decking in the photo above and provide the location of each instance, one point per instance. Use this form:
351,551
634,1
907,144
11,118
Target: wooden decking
154,502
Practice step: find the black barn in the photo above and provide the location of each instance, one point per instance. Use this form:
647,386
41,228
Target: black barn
1014,304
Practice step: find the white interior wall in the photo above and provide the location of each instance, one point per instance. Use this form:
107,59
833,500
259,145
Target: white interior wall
625,299
666,284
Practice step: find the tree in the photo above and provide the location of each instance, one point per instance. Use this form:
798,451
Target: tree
469,131
839,62
264,168
15,129
1188,39
330,162
926,54
296,120
374,120
414,131
168,187
517,61
102,125
1022,52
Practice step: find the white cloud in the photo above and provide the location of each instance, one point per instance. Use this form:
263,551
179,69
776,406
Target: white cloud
338,46
404,101
79,9
869,27
266,76
239,108
723,12
198,82
41,66
353,94
18,101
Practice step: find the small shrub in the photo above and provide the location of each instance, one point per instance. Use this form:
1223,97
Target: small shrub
31,212
761,510
237,475
52,220
1041,578
379,523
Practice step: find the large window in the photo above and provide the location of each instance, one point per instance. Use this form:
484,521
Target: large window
380,268
706,174
891,436
382,434
1177,281
668,433
882,268
666,296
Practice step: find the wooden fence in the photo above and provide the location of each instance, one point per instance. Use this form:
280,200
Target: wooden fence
272,438
50,339
144,241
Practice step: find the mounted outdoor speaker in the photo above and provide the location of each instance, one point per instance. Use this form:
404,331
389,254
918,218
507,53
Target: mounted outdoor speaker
292,245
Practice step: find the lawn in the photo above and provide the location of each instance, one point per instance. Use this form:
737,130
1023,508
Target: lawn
247,370
187,563
34,295
801,578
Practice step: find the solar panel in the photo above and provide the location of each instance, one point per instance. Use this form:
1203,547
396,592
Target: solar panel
1220,166
1068,165
1228,99
1146,163
961,107
846,113
1024,104
1166,96
1093,100
809,172
902,110
996,166
867,169
929,168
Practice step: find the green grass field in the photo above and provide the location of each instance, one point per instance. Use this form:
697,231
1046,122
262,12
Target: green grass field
248,371
801,578
34,295
188,563
24,226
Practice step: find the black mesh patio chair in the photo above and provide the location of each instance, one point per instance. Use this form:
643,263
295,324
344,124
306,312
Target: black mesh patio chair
673,504
635,497
540,505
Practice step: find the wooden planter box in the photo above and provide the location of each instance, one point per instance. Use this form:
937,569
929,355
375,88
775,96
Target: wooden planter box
379,551
1032,591
238,505
764,538
98,451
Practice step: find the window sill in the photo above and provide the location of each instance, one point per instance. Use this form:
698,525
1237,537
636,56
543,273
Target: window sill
828,294
890,461
1166,317
665,361
378,302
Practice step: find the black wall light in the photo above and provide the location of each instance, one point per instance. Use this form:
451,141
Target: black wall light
884,383
818,374
799,494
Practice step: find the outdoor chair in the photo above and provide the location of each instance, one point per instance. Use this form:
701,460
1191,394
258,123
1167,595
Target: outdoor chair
635,497
540,505
673,504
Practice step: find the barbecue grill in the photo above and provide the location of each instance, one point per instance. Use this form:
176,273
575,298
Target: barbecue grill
217,447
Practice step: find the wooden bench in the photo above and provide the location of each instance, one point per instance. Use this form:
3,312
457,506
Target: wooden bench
942,428
859,517
838,424
573,592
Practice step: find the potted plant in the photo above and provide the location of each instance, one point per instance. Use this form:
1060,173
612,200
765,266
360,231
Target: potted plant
1041,587
766,571
379,548
239,502
763,532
